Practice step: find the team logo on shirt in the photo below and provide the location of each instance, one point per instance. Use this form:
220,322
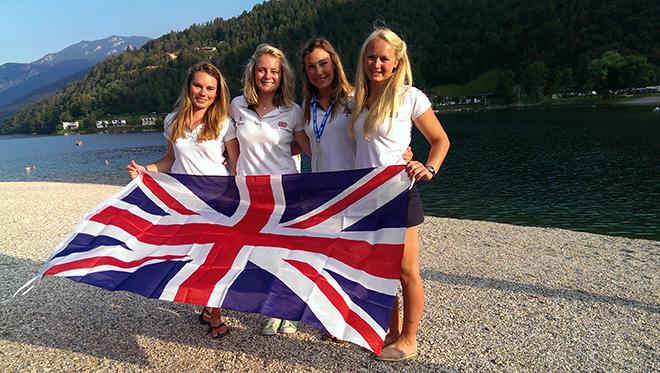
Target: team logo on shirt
283,124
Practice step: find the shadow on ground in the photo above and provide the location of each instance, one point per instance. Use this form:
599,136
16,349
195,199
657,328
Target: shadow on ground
518,287
74,317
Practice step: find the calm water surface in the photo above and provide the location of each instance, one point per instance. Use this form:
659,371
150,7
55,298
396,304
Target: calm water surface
585,169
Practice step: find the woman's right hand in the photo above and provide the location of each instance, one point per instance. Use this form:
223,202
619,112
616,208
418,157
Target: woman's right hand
135,169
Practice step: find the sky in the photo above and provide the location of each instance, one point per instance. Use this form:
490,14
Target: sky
29,29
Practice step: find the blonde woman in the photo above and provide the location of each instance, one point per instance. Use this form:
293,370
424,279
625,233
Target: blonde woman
266,123
196,135
386,106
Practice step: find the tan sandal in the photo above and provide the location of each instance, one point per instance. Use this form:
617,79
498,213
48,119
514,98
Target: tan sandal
391,353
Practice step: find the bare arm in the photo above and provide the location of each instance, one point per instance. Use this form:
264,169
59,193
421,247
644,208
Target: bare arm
164,164
295,148
233,151
432,130
303,141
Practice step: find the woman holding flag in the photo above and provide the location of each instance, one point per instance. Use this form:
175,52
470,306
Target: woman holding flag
386,105
327,105
266,123
197,139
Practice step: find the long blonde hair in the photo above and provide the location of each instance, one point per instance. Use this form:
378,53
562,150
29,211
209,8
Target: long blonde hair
285,92
341,88
215,114
387,103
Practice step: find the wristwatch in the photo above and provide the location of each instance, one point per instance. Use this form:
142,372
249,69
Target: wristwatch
431,170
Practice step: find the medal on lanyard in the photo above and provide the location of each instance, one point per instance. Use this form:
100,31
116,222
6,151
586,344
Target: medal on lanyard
318,131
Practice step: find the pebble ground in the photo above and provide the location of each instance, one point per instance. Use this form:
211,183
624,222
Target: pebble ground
500,298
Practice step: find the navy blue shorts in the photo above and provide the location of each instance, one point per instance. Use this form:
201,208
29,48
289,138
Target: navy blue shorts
415,208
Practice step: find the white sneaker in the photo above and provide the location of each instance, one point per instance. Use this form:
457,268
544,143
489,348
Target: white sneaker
288,327
271,326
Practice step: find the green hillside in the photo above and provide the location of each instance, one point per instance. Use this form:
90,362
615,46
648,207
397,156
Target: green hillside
485,83
538,45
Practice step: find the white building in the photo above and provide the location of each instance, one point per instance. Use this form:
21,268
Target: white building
112,123
70,125
148,121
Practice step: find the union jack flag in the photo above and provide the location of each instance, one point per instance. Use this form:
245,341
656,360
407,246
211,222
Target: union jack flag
324,248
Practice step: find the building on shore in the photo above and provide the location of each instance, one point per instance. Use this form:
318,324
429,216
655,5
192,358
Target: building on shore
70,125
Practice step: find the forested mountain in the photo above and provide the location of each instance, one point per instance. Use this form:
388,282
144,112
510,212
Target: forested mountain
540,45
19,82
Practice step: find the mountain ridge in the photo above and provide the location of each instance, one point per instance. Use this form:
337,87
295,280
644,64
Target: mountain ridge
17,80
539,45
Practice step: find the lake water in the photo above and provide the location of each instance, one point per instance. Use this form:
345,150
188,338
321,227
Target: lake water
585,169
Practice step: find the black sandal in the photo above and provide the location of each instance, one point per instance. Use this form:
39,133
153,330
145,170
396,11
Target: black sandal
219,335
203,315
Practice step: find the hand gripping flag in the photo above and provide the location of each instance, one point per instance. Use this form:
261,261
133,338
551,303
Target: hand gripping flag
324,248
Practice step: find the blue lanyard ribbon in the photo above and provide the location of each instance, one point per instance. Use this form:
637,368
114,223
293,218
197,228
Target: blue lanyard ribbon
319,131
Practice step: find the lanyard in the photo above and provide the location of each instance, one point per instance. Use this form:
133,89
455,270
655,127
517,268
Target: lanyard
319,131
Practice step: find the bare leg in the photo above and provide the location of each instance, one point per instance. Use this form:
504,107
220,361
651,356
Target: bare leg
215,322
395,324
413,297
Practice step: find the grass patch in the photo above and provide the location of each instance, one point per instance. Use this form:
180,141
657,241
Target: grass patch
482,84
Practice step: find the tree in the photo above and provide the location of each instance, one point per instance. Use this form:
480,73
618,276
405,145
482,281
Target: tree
534,79
563,81
603,72
505,85
637,72
65,116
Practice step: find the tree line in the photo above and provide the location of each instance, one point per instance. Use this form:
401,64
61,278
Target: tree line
541,46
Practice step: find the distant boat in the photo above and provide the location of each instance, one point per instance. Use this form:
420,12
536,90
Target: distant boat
656,109
79,142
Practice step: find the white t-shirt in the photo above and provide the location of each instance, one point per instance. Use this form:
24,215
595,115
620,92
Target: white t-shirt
386,146
198,158
336,151
265,142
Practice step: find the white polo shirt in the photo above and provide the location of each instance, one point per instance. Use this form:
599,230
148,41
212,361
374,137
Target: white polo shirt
336,151
198,158
265,142
386,146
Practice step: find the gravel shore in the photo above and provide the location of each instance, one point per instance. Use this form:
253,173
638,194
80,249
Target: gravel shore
500,298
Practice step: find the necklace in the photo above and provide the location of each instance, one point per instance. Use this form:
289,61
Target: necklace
318,131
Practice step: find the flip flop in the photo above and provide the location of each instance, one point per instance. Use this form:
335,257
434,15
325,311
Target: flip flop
394,355
202,317
219,335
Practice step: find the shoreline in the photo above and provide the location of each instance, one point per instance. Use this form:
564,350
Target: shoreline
642,100
652,100
499,298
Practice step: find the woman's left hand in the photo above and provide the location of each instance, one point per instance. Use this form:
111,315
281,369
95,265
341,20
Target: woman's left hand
408,155
416,170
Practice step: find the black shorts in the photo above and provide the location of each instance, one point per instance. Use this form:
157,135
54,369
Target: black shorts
415,208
